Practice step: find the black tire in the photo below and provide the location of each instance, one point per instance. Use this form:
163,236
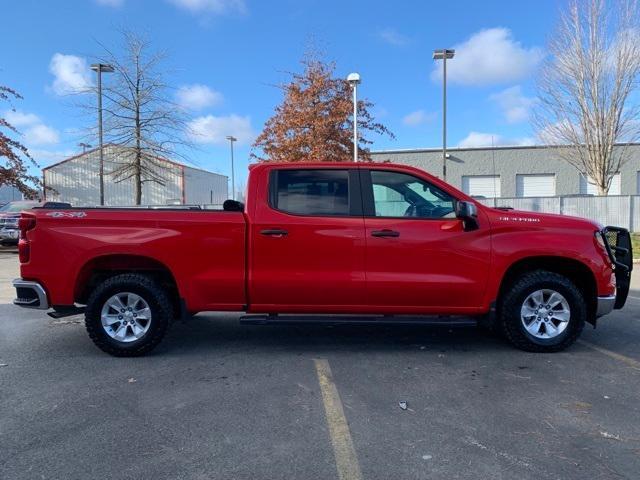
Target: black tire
511,303
155,296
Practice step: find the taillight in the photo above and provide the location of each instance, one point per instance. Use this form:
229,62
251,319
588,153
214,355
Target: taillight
26,223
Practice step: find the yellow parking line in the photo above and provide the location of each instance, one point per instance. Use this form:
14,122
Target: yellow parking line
343,450
635,364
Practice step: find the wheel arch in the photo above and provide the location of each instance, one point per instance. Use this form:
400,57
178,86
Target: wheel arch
575,270
102,267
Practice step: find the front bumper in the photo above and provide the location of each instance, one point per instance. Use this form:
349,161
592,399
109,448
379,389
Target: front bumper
30,294
605,305
9,235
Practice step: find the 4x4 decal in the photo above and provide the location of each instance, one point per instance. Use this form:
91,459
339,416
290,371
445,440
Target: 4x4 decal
67,214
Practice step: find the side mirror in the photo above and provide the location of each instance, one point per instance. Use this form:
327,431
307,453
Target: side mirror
232,206
468,213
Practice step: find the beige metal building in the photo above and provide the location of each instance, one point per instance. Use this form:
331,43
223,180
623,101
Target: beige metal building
77,180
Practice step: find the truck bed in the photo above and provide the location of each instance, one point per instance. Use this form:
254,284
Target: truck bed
203,250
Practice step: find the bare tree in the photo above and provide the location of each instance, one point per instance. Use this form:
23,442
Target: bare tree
139,114
585,87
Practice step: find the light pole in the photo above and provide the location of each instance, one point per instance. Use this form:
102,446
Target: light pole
84,146
444,54
99,68
232,139
354,81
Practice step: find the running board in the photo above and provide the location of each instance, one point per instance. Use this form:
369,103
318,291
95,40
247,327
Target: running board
445,321
66,311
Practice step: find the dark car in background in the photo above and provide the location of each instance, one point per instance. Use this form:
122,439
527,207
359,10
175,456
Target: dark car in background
10,213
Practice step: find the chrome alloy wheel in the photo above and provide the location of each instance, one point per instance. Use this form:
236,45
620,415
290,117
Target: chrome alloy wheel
126,317
545,314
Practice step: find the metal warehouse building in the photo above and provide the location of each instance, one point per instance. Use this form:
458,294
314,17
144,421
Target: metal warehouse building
534,171
77,180
9,194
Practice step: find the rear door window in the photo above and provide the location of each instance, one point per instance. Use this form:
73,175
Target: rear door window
311,192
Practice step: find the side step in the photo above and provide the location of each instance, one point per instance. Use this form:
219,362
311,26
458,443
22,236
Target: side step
446,321
66,311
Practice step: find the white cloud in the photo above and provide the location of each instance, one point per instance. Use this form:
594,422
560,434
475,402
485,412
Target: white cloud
20,119
393,37
47,157
216,7
72,74
490,56
41,135
479,139
110,3
210,129
513,104
197,97
34,131
419,117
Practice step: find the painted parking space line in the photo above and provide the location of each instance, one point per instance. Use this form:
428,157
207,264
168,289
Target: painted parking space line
343,450
635,364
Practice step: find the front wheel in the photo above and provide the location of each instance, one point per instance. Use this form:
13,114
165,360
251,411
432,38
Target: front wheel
542,312
128,315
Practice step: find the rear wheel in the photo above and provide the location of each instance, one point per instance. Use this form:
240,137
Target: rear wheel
542,312
128,315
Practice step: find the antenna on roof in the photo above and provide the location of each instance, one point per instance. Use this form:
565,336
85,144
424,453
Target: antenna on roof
84,146
493,159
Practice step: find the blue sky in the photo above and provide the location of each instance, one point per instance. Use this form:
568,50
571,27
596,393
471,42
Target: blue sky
226,55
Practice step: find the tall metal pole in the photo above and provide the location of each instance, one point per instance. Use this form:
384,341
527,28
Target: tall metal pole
444,119
99,68
354,79
100,134
355,122
232,139
444,54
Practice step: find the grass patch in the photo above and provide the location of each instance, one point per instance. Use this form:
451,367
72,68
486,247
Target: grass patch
635,242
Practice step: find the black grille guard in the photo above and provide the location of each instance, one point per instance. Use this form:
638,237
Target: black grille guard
617,241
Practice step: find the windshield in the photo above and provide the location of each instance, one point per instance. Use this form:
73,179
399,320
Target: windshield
14,207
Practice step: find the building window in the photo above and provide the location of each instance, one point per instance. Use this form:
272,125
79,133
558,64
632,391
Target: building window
588,186
543,185
481,186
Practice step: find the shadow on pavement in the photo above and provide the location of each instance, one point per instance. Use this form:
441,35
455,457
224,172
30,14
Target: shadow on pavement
208,333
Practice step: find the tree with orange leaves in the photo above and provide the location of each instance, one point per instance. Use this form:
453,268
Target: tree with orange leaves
314,121
14,157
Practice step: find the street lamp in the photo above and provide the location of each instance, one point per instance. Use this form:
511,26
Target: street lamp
354,81
99,68
444,54
232,139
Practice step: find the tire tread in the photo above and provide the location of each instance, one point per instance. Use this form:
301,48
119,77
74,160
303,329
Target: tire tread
162,317
510,312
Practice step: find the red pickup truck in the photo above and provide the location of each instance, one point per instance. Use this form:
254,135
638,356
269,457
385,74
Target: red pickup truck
374,239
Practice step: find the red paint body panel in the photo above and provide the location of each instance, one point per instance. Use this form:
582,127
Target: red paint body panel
222,261
204,251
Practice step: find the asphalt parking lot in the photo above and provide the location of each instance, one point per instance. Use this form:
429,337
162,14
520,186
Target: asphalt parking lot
221,401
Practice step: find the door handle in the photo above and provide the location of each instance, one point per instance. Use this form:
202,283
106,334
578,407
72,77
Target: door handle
274,232
385,233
